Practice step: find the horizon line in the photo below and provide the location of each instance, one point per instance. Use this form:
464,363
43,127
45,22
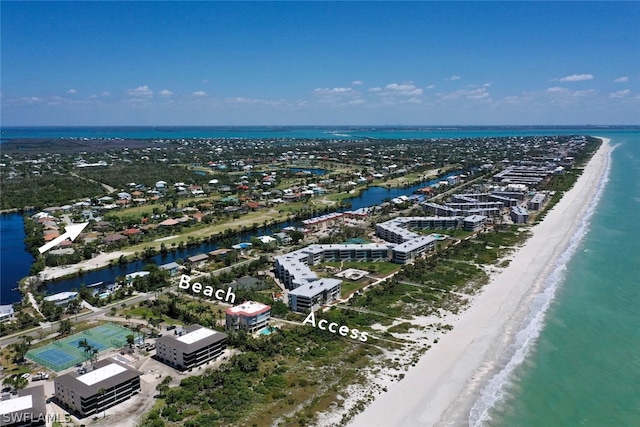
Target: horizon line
320,125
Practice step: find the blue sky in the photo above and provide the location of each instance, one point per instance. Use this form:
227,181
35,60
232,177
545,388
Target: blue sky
319,63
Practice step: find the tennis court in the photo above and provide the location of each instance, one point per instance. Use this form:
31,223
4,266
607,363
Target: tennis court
95,344
58,356
66,352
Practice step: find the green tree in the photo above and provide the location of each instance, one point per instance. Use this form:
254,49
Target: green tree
64,327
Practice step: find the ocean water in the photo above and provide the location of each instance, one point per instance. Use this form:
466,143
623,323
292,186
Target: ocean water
277,132
577,361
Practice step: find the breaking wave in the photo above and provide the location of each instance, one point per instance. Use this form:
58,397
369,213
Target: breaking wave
525,339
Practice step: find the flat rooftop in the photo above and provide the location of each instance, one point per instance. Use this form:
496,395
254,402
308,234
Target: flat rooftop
309,290
16,404
195,336
101,374
248,308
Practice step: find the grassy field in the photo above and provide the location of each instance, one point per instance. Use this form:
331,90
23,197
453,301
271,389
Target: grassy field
377,269
349,286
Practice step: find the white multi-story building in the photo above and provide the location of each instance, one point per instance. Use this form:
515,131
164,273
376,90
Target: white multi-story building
250,316
293,268
473,222
398,230
314,294
411,249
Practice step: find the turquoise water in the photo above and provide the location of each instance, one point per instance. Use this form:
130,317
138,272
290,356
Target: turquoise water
584,367
268,330
321,132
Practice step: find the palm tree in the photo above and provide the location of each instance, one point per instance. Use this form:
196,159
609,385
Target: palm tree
20,382
137,329
94,355
101,392
9,381
86,348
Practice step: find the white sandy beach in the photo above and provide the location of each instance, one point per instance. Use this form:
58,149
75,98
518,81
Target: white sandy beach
441,389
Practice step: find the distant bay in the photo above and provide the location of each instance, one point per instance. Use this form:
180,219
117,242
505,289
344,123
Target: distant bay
291,132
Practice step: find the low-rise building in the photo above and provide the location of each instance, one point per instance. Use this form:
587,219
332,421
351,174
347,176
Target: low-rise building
293,268
172,267
283,238
27,409
198,346
250,316
473,222
61,298
198,260
314,294
411,249
537,202
108,384
6,313
519,215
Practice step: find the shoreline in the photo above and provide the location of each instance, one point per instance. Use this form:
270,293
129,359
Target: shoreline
444,385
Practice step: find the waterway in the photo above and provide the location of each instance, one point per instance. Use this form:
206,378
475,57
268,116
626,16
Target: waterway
16,261
312,171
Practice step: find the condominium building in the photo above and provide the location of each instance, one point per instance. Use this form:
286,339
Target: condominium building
441,210
397,230
250,316
519,195
528,175
507,202
474,222
411,249
519,215
537,202
314,294
293,268
109,383
27,409
198,346
463,206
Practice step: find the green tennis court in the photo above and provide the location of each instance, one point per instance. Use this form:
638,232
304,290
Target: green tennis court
66,352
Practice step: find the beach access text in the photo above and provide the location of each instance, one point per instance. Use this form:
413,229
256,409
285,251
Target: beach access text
333,328
209,291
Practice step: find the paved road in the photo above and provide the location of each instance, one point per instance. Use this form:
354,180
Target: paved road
49,328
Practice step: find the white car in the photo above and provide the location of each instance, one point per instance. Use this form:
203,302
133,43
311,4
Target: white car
26,375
